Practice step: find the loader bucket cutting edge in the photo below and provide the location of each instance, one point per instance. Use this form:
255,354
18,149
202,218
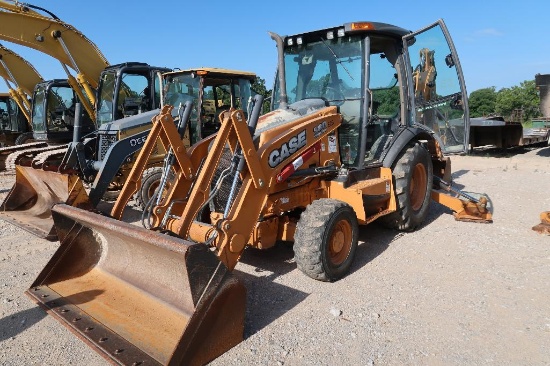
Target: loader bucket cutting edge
29,202
137,296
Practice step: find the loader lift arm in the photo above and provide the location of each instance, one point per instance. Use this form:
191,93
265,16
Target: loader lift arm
61,41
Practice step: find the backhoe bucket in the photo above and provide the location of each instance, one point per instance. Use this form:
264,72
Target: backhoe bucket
28,204
137,296
544,226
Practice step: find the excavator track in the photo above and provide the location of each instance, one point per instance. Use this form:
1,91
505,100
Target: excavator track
43,159
15,157
6,152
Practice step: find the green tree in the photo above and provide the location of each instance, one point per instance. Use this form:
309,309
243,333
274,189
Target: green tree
524,97
482,102
258,87
388,100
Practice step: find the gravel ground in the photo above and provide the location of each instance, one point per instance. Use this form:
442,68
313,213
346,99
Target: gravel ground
450,293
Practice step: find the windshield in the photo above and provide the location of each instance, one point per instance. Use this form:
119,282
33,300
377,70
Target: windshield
210,95
60,108
38,109
105,111
4,113
131,98
329,69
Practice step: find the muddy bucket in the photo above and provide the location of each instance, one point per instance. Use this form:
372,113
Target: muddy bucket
28,204
139,297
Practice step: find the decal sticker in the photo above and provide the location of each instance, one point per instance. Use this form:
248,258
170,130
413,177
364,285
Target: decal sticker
319,129
332,145
277,156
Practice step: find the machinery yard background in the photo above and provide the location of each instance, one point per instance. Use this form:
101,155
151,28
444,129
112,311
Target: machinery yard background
449,293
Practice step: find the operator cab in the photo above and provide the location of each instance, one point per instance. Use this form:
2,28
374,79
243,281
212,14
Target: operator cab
128,89
358,67
12,120
211,91
53,112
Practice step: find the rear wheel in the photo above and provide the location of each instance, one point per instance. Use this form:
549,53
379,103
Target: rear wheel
326,239
24,138
413,179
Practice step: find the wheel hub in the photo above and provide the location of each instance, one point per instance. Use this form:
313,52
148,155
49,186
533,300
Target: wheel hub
340,242
418,186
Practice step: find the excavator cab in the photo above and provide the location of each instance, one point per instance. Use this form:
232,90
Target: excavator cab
53,112
12,121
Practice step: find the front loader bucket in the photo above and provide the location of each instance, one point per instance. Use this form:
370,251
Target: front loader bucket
137,296
28,204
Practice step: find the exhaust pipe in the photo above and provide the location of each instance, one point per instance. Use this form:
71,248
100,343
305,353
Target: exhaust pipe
283,98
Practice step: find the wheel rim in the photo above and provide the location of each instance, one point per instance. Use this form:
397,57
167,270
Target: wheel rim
152,189
340,242
418,186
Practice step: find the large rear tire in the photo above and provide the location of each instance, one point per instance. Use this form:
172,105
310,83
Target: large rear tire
326,239
24,138
413,179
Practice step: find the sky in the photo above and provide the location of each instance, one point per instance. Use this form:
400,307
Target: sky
499,43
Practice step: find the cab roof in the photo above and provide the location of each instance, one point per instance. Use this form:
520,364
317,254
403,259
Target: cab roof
359,27
216,72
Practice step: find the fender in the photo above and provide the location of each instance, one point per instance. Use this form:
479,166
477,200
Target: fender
399,142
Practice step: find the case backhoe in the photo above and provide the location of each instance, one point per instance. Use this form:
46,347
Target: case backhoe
348,142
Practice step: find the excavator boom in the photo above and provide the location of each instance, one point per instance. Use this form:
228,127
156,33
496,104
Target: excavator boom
19,71
59,40
16,70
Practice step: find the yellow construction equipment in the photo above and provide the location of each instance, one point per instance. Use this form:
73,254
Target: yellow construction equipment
40,186
337,151
20,77
50,35
544,226
15,108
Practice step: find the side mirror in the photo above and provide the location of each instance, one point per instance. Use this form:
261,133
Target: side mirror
449,60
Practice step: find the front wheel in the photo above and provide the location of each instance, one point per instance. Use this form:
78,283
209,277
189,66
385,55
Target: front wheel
150,182
326,239
413,179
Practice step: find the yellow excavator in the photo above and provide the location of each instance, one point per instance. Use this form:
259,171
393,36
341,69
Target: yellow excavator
335,152
46,33
54,101
20,78
126,93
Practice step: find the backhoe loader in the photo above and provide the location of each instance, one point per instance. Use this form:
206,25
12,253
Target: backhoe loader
348,142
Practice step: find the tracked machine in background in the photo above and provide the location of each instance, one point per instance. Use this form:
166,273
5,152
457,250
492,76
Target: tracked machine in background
337,151
53,111
20,78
